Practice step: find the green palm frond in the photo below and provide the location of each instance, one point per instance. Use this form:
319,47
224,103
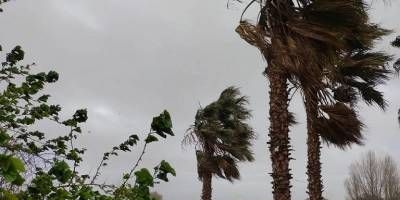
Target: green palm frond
222,136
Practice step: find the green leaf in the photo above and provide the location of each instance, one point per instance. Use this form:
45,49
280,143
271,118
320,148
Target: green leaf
41,184
151,138
61,171
6,195
143,177
52,77
10,176
4,137
80,116
166,167
162,124
43,98
19,180
17,164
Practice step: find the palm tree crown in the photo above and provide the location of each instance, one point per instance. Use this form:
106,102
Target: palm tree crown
221,137
221,128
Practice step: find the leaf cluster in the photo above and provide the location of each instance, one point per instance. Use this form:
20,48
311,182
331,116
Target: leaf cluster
34,166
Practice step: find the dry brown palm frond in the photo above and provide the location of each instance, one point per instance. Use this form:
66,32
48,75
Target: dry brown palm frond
254,36
340,127
317,33
345,94
190,137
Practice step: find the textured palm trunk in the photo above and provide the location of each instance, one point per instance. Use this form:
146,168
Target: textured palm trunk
207,176
314,149
279,133
207,187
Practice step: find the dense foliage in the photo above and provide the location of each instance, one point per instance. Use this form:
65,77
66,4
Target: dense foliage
222,138
35,166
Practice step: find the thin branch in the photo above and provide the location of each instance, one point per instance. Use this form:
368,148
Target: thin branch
137,162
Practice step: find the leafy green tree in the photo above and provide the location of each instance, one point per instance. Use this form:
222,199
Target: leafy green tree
54,162
222,138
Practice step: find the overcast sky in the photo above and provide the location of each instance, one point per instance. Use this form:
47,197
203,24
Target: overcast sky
127,60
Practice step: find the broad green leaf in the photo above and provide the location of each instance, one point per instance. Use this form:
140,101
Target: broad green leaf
162,124
143,177
61,171
166,167
10,176
19,180
4,137
151,138
17,164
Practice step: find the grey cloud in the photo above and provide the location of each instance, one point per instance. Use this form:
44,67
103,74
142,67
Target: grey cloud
128,60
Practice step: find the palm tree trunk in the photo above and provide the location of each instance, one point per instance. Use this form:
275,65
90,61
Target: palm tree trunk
207,187
279,133
314,149
207,175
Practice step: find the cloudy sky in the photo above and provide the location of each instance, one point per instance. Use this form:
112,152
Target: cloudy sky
127,60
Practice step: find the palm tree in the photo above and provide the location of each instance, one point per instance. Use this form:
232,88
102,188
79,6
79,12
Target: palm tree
337,123
270,36
317,37
222,138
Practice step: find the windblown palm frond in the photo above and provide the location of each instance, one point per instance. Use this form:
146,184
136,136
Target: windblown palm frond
222,166
360,74
222,136
339,125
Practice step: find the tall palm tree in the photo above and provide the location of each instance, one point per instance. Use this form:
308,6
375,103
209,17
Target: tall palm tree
222,138
270,36
352,72
337,123
317,36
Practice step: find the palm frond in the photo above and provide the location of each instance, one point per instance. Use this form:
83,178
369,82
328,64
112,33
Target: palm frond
369,66
292,119
340,127
369,94
345,94
396,42
221,135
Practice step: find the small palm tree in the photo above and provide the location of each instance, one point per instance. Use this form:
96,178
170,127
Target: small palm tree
222,138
